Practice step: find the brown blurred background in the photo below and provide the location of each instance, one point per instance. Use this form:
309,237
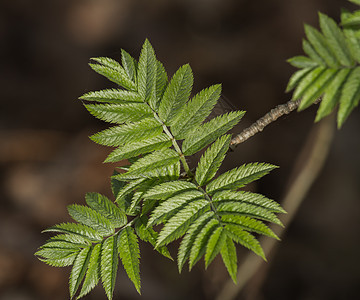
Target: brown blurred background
48,162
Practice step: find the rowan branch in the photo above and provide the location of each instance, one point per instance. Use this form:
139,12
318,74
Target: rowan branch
271,116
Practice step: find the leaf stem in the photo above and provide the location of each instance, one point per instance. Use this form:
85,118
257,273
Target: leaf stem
176,146
207,197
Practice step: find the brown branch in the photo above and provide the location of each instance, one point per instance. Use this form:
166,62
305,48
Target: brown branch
307,168
270,117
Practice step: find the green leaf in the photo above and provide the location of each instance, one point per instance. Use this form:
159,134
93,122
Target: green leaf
76,229
128,189
332,94
210,131
120,113
191,235
176,94
169,172
66,261
167,189
321,46
335,40
56,253
147,234
93,272
211,160
134,132
198,249
71,238
350,96
129,65
244,238
248,197
302,62
113,71
149,164
147,74
248,224
316,89
352,40
296,78
107,209
307,81
117,186
129,253
134,208
195,111
53,244
310,51
246,209
108,265
215,244
78,270
115,96
239,177
161,80
172,205
89,217
135,149
229,257
179,223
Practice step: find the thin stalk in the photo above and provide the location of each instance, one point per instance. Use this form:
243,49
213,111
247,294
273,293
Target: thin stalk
261,123
176,146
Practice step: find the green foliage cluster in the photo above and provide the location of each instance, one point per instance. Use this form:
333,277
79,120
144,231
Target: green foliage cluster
156,126
158,197
331,66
